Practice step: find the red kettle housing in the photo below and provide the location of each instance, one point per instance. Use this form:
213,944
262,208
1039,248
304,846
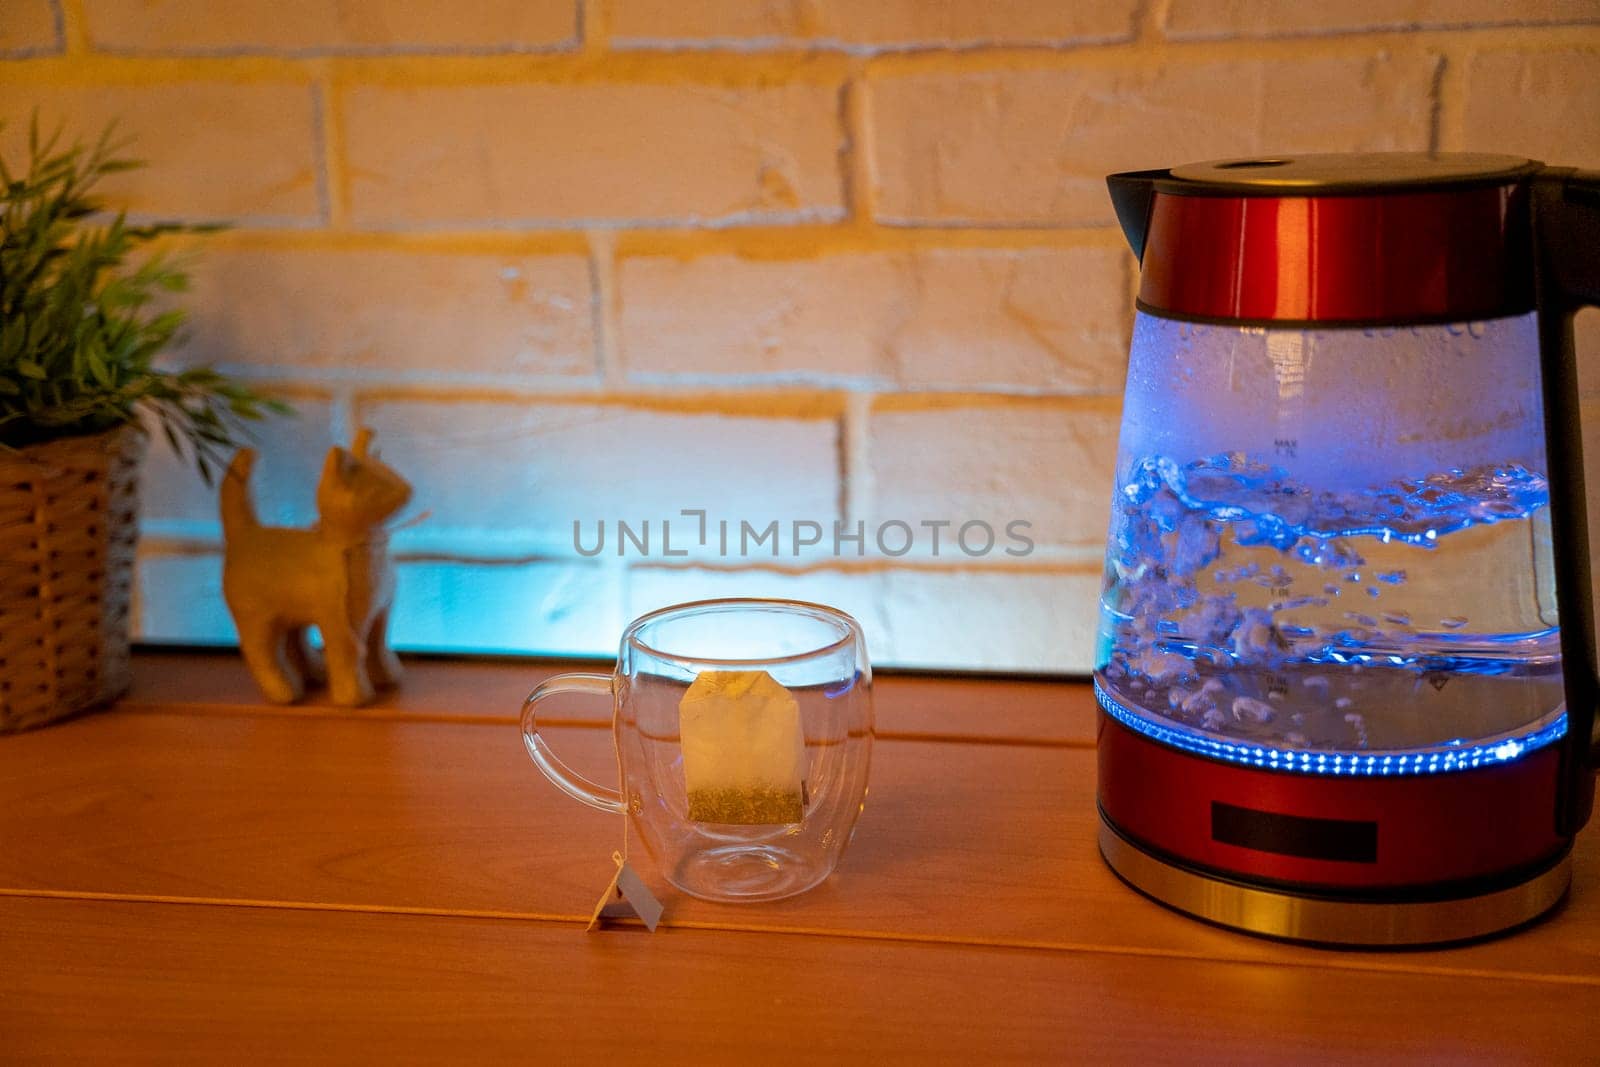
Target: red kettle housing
1346,660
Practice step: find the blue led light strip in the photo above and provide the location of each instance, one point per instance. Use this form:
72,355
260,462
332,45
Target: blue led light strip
1503,750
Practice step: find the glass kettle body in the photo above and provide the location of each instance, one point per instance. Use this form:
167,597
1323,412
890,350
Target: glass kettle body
1330,632
1300,558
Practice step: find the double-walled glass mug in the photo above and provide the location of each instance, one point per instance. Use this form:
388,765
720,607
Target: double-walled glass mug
744,733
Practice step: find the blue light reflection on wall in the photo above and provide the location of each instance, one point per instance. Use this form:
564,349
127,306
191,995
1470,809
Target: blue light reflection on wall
440,606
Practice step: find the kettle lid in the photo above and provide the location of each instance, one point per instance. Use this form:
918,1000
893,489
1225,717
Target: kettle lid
1345,174
1390,238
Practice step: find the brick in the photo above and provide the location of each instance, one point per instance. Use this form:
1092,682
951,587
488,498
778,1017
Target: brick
178,600
858,593
29,28
1033,147
869,27
311,26
1189,19
216,150
408,315
175,501
1044,319
440,606
1048,463
521,473
1540,104
1001,620
918,617
548,607
554,154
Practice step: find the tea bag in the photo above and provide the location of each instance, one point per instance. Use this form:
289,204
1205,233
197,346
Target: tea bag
744,753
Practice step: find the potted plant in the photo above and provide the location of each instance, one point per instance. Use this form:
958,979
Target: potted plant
81,325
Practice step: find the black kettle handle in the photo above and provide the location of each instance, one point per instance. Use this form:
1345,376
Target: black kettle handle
1565,206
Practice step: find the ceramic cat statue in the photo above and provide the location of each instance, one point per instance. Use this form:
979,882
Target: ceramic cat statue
336,576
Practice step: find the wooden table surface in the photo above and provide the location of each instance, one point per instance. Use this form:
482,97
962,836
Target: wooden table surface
196,876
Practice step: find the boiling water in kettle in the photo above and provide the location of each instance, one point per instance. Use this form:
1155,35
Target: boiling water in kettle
1411,615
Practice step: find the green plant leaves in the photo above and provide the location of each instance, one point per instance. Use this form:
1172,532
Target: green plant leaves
79,330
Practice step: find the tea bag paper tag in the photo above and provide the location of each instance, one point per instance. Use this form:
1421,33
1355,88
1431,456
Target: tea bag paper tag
626,896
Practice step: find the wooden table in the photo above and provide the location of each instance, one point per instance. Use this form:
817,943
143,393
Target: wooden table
196,876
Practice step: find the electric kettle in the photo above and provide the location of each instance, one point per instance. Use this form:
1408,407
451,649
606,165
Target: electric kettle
1346,661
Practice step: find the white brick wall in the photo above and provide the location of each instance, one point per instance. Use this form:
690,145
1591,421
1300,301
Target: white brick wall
858,591
1047,462
1540,104
174,502
178,595
1005,620
244,152
804,260
1191,19
882,25
245,27
29,28
518,473
1050,319
406,313
1033,147
555,606
529,155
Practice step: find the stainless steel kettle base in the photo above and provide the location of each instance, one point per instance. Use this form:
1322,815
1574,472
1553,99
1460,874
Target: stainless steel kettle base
1324,920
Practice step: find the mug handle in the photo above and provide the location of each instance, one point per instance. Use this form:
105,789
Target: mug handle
563,777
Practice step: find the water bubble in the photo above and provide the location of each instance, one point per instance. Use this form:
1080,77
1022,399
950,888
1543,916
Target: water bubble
1252,710
1164,667
1359,724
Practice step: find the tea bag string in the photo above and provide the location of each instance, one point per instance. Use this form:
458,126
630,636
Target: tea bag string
620,858
626,896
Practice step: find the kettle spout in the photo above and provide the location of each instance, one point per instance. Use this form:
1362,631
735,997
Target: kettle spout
1131,194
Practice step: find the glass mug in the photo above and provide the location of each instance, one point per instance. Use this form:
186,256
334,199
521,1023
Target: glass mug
743,730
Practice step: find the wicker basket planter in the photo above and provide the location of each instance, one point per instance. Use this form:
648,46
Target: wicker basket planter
68,528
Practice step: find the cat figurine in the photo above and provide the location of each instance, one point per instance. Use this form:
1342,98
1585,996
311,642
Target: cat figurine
336,576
